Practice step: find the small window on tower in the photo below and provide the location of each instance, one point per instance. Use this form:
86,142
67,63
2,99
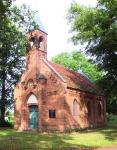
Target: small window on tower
40,42
52,113
32,41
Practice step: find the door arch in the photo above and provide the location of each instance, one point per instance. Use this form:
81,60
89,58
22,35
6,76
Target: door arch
32,100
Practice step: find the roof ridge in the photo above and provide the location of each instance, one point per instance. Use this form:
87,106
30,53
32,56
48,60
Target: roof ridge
59,65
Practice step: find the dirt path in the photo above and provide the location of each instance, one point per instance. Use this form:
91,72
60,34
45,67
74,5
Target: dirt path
107,148
103,148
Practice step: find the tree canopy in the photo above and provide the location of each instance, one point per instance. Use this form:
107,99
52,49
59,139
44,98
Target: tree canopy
4,7
77,61
13,41
97,28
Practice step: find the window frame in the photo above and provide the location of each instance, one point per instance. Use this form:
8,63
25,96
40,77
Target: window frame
52,113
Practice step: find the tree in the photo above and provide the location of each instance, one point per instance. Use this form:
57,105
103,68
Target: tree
13,43
4,7
78,62
97,28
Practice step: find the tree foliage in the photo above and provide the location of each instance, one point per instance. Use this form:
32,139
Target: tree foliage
4,7
97,28
13,41
78,62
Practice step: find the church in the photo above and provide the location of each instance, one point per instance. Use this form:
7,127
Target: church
50,97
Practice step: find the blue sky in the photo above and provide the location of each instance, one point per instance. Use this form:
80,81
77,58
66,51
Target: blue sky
53,16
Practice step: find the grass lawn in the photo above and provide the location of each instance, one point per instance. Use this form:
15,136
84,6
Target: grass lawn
14,140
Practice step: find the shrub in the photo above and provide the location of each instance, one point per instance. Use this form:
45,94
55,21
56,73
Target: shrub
6,124
111,119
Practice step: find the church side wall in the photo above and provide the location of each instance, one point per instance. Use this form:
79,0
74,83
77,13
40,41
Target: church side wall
87,113
78,120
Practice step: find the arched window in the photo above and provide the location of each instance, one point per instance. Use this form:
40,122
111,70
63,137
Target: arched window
32,41
40,42
75,108
89,108
99,109
32,99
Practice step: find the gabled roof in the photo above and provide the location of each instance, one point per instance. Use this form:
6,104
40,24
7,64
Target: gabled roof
74,79
58,74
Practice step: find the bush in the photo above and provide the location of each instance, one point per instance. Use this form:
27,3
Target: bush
11,118
6,124
111,119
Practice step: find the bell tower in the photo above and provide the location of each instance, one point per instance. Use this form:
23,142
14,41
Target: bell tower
37,48
37,39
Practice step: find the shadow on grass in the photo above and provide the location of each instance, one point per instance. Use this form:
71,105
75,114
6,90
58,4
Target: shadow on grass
13,140
109,132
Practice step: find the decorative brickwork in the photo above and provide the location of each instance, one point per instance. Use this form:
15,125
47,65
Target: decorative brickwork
47,94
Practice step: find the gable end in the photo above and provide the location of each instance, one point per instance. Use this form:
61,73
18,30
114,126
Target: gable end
58,74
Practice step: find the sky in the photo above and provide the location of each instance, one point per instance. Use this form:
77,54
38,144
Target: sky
53,17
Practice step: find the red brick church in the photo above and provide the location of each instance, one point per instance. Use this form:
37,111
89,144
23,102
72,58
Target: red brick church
51,97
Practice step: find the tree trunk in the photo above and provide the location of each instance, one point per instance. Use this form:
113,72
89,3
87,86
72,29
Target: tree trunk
3,100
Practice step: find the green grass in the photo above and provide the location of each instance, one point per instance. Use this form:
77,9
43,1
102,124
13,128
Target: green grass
14,140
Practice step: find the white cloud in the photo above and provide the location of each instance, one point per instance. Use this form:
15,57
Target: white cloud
52,14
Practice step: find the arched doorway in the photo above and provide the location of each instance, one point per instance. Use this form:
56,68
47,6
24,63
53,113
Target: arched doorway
33,111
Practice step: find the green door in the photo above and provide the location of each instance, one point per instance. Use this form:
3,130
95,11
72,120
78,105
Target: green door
33,117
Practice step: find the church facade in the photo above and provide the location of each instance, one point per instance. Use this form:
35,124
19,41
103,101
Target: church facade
51,97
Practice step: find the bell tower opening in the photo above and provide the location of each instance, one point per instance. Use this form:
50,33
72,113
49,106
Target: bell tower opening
32,42
37,39
40,44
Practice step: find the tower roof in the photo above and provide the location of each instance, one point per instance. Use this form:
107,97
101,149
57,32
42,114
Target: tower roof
39,23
